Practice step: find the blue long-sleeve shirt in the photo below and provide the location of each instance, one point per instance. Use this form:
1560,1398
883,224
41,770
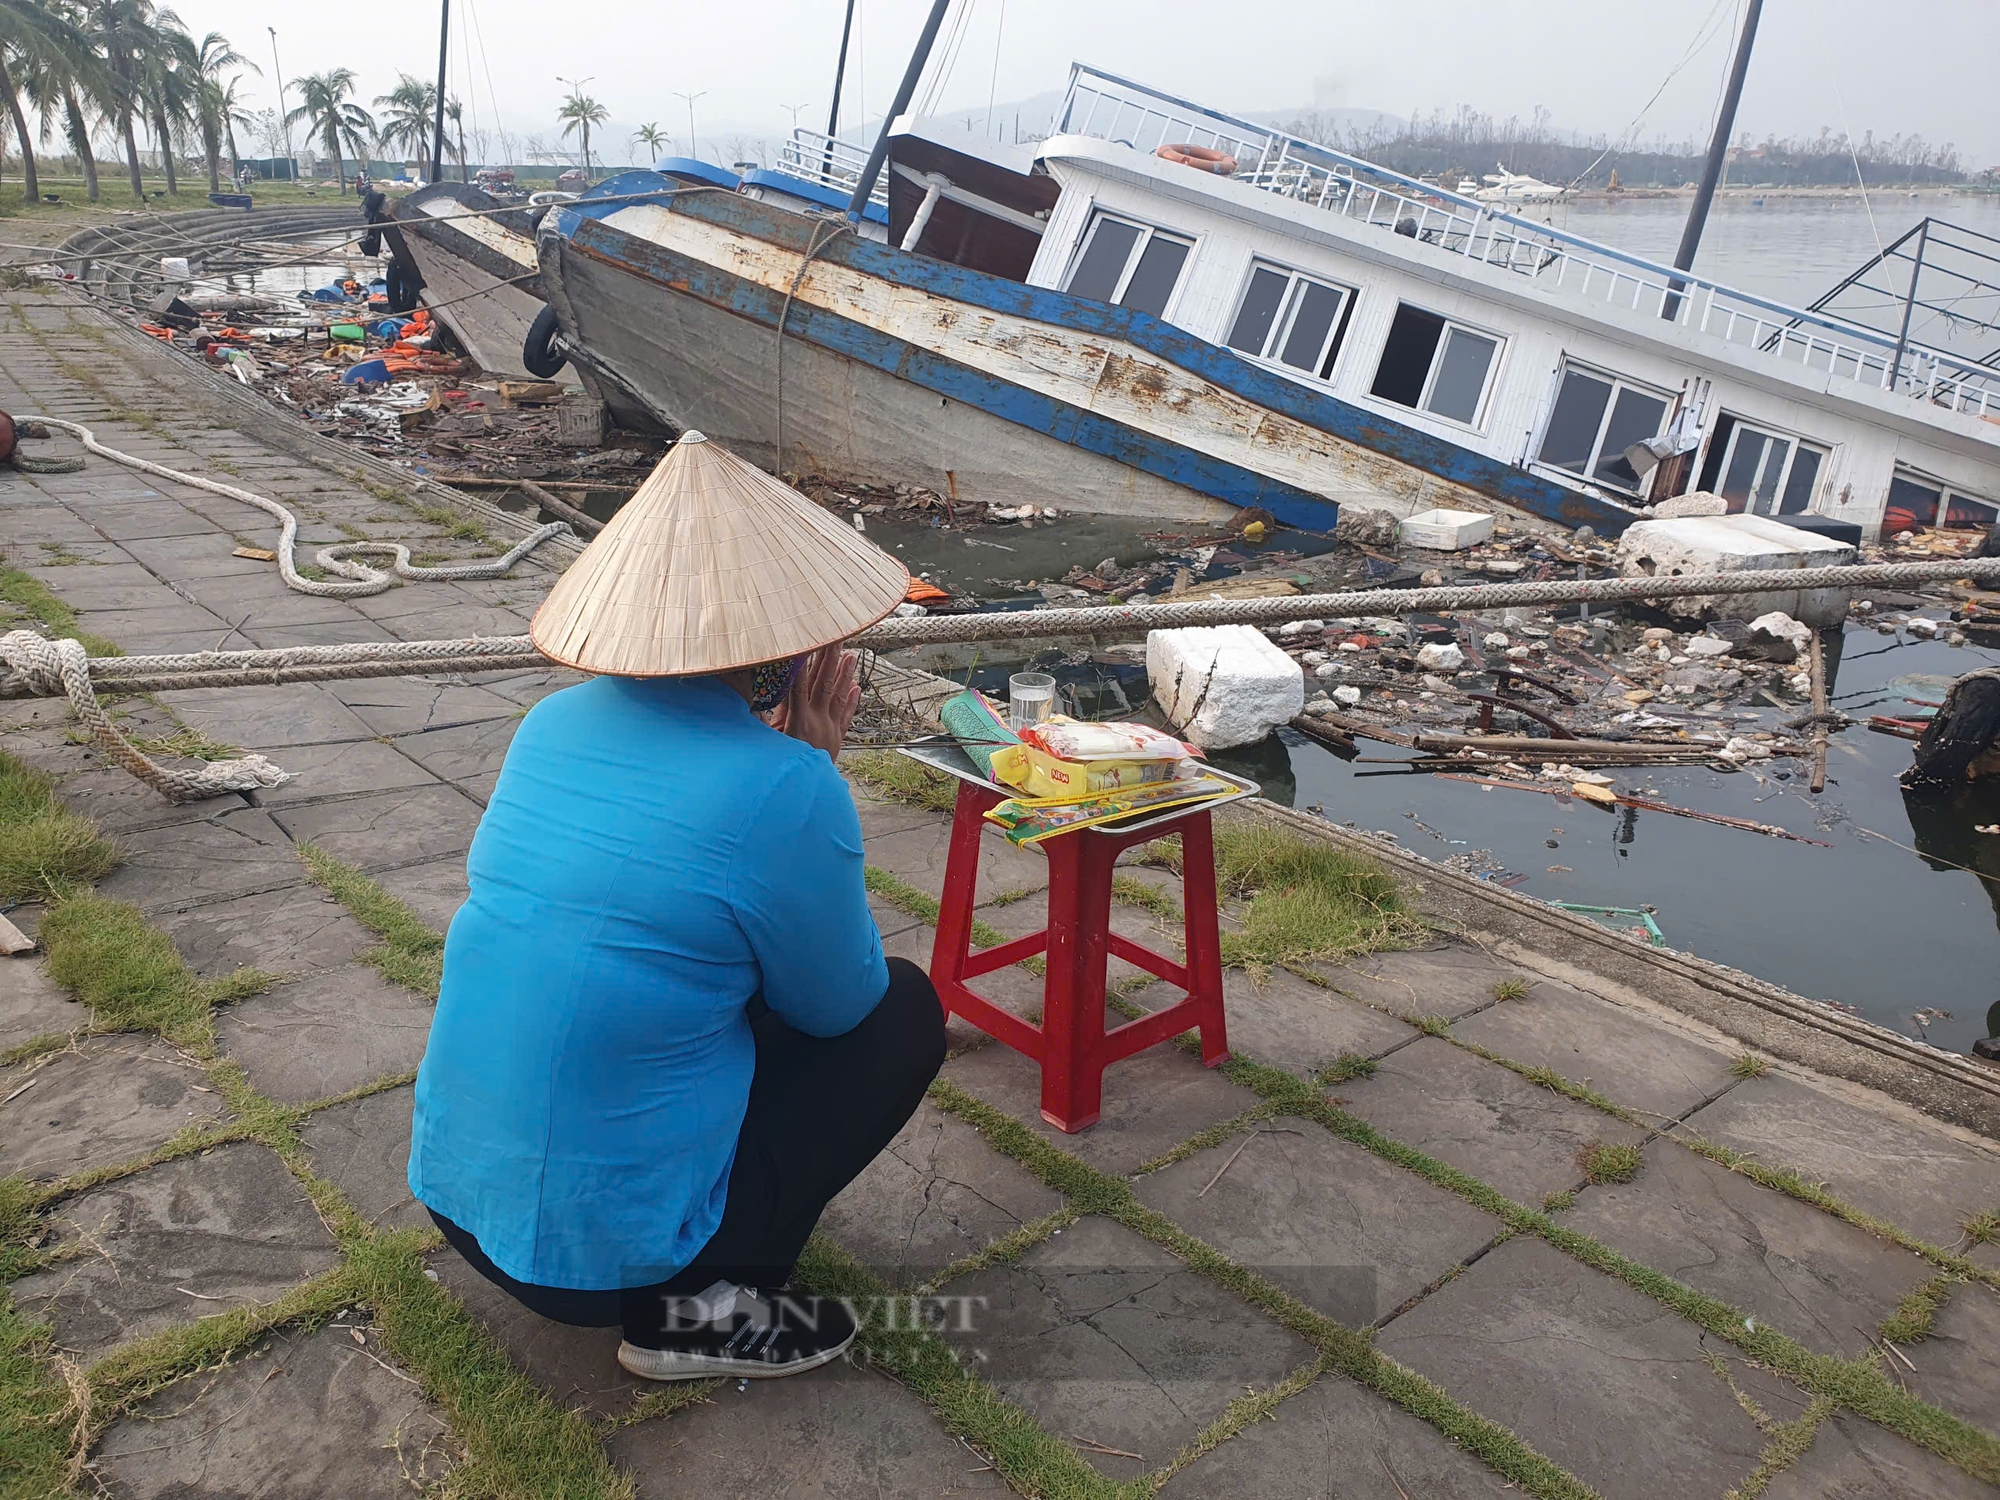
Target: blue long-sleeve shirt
652,857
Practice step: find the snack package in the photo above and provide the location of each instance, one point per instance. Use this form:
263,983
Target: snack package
1029,821
1072,739
1032,770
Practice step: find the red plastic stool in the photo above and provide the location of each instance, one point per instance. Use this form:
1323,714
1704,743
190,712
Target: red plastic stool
1071,1044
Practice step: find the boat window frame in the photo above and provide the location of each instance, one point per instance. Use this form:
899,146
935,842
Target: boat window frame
1947,493
1326,363
1799,442
1483,408
1617,383
1147,233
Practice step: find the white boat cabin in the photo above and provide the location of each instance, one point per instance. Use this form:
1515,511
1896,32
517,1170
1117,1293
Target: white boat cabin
1597,370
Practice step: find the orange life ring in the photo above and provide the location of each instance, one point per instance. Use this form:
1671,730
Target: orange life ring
1203,158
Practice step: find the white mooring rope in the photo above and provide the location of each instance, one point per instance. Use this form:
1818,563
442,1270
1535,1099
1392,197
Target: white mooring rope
31,665
49,668
337,559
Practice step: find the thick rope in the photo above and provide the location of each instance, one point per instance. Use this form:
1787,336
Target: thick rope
33,665
28,464
336,560
1129,620
53,667
152,674
135,674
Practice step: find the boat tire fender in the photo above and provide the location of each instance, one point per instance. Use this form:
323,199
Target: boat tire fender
1202,158
541,356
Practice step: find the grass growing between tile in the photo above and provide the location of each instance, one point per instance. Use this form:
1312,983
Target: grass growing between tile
1024,1453
411,955
908,899
35,1046
1795,1184
25,599
1859,1384
1917,1312
1789,1442
901,779
131,976
37,1412
45,849
519,1442
1602,1162
1308,902
459,527
1535,1073
1347,1350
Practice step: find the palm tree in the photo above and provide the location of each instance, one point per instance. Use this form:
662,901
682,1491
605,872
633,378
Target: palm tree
338,124
33,34
406,126
213,104
171,82
59,81
654,139
122,30
578,113
233,114
455,112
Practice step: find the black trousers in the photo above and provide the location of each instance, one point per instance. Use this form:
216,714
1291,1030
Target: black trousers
821,1109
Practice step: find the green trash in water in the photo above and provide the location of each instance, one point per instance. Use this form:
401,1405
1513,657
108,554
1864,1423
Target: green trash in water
346,333
1629,921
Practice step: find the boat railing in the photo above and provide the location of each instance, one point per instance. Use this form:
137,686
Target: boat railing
1107,107
828,161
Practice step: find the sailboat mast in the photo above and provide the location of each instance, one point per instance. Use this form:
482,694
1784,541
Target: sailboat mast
904,91
437,131
1718,153
840,72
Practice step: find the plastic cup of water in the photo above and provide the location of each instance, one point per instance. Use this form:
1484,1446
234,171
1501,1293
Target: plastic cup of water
1031,698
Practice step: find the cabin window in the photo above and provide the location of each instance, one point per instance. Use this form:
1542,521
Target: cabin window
1917,501
1760,470
1292,319
1436,365
1130,264
1595,419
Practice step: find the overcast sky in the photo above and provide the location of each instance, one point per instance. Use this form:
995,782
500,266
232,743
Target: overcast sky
1924,66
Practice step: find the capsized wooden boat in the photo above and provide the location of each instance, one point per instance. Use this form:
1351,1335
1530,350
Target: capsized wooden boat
901,367
476,261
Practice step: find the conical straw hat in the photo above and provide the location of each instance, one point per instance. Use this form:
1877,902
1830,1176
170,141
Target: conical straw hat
711,566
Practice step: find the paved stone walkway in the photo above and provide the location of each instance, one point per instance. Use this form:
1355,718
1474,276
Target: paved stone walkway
1386,1257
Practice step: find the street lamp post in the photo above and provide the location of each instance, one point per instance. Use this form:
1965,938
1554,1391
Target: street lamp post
282,119
693,149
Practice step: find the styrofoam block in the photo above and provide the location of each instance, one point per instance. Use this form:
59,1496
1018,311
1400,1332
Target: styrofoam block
1223,685
1731,544
1446,530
